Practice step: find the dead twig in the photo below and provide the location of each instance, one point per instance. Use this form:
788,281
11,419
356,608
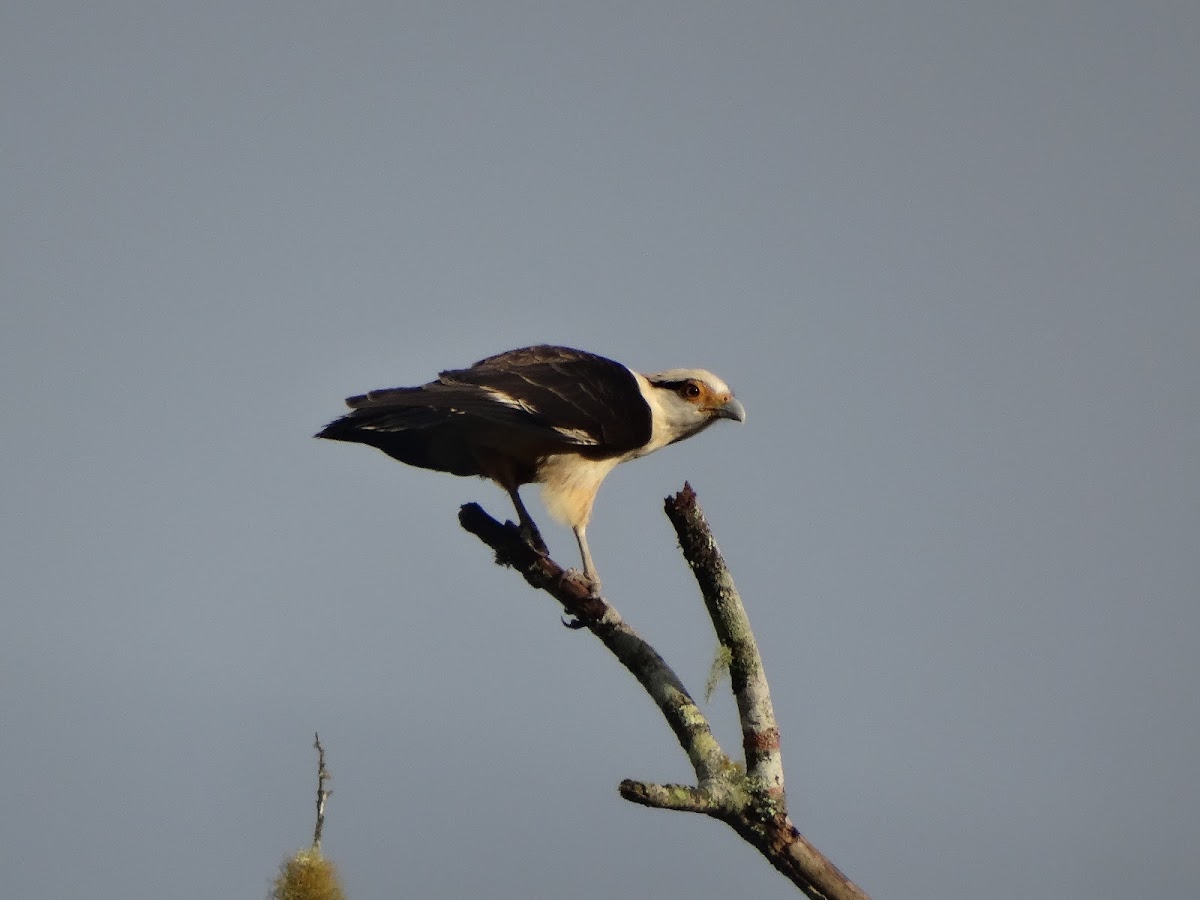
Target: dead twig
323,794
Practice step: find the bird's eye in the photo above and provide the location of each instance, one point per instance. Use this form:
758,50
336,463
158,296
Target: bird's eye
691,390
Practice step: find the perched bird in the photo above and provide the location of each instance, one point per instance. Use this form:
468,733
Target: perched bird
551,415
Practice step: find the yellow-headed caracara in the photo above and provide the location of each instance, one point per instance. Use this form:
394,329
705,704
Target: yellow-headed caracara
552,415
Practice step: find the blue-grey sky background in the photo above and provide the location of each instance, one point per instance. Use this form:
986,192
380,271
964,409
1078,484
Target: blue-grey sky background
945,254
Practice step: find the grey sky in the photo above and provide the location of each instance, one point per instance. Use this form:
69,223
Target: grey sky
947,257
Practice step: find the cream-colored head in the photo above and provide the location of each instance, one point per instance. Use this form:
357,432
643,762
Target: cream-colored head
684,402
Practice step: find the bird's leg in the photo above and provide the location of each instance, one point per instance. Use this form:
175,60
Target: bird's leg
590,575
529,530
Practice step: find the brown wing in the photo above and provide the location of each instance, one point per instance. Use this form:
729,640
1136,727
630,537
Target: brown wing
570,391
521,404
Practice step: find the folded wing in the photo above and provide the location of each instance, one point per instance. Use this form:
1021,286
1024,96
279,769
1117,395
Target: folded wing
523,405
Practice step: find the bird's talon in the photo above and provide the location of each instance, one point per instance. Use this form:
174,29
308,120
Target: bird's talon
589,581
533,538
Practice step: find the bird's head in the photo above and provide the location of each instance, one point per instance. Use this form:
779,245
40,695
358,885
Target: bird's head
687,401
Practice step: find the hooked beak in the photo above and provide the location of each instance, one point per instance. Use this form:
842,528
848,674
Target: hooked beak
731,409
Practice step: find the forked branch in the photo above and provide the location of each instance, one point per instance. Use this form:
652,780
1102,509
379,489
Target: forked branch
750,798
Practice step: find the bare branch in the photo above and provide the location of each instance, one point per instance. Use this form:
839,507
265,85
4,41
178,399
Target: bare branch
752,801
717,798
681,797
760,734
322,794
683,716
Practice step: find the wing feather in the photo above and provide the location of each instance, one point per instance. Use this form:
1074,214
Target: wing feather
569,391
